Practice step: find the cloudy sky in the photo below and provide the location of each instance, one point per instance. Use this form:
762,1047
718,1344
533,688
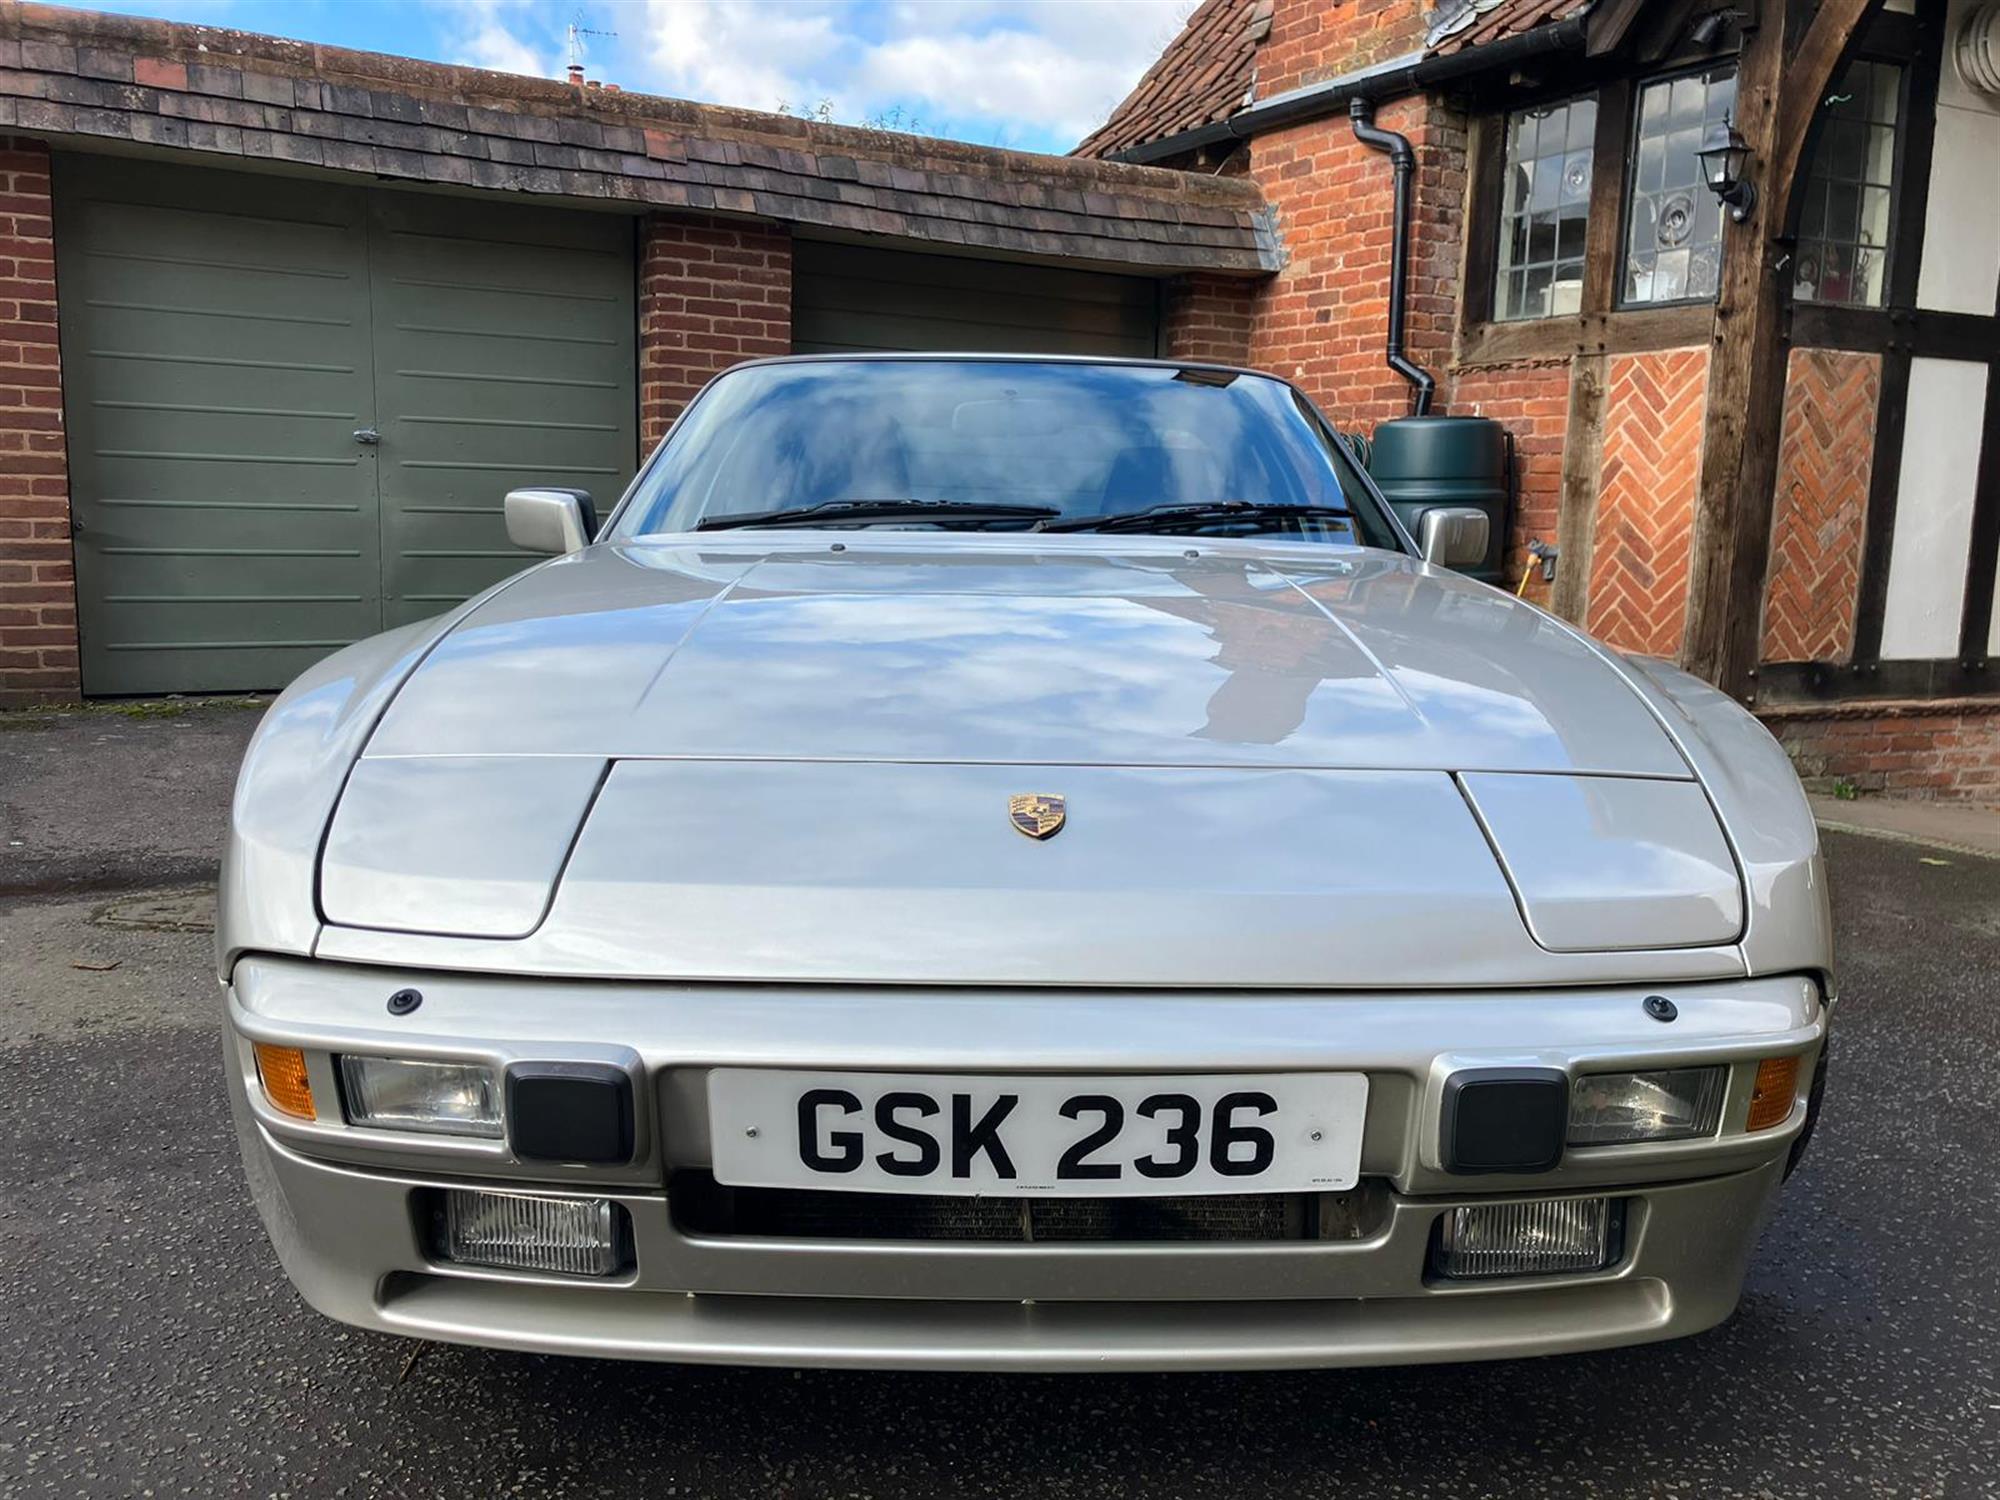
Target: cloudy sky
1032,74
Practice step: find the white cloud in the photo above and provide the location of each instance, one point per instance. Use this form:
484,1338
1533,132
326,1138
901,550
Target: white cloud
1066,62
740,52
1041,71
490,34
493,46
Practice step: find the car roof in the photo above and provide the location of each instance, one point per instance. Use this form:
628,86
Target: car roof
980,357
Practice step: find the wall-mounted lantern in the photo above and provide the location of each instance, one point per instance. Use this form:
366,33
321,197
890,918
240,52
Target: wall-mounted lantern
1723,160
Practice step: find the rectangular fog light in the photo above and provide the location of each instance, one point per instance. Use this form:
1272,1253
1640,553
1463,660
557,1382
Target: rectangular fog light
527,1232
442,1098
1528,1238
1674,1104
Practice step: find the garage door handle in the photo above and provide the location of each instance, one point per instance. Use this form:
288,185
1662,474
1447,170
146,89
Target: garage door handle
367,435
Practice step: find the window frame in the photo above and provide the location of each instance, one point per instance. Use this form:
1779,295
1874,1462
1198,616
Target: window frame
1498,124
1893,249
1609,325
1629,180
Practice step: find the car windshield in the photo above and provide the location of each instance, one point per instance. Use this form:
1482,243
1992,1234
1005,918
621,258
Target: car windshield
1000,445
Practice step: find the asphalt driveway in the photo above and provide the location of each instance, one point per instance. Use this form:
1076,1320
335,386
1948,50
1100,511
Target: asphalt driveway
149,1345
117,795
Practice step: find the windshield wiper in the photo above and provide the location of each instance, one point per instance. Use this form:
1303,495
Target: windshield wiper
1205,513
862,511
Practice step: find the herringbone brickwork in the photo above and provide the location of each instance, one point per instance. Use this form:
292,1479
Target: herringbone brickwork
1653,409
1825,459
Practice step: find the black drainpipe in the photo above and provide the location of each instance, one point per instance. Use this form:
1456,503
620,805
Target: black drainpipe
1404,161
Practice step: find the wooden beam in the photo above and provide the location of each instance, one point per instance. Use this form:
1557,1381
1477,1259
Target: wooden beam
1807,73
1778,89
1628,331
1609,24
1604,250
1665,28
1583,463
1486,167
1878,532
1976,624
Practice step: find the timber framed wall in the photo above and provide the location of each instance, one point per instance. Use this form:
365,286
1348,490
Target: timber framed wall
1936,425
1745,481
1830,393
1618,498
1888,501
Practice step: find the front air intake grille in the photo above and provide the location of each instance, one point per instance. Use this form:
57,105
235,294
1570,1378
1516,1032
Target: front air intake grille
703,1206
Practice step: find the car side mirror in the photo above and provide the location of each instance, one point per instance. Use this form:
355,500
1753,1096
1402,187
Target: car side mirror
1454,536
550,520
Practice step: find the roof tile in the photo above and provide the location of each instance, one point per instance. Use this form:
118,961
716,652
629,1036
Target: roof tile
1474,23
1208,71
1204,75
234,94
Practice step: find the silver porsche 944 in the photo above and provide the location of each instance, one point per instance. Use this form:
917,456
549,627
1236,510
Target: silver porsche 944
1015,864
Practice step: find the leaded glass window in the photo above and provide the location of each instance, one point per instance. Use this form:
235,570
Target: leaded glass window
1545,210
1674,253
1844,217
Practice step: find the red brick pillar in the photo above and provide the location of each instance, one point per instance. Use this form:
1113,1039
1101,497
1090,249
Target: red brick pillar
712,293
1207,318
38,661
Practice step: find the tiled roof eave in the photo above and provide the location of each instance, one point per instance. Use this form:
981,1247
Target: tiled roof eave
125,82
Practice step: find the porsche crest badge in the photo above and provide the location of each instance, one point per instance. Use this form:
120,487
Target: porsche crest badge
1039,815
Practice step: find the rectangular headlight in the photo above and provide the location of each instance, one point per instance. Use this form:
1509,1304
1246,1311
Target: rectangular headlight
528,1232
441,1098
1527,1238
1609,1109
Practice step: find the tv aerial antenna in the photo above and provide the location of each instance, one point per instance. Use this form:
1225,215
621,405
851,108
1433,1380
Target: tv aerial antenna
577,32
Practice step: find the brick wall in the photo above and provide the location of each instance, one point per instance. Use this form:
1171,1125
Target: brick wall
1312,40
1531,401
1323,319
1653,407
1914,748
1825,459
712,293
38,660
1208,318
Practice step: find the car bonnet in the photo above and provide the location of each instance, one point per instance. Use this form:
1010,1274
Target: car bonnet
791,757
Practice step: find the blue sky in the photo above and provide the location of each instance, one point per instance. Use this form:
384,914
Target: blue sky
1031,74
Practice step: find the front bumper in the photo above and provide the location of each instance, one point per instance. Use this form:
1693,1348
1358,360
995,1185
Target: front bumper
340,1202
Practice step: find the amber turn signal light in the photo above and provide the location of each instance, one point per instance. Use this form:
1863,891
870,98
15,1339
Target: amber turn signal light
282,1071
1771,1099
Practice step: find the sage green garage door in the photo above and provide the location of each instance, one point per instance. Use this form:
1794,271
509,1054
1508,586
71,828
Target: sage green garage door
848,298
293,407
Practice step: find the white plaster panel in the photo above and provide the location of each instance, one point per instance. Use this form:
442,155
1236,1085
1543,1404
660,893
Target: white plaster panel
1961,259
1961,265
1934,493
